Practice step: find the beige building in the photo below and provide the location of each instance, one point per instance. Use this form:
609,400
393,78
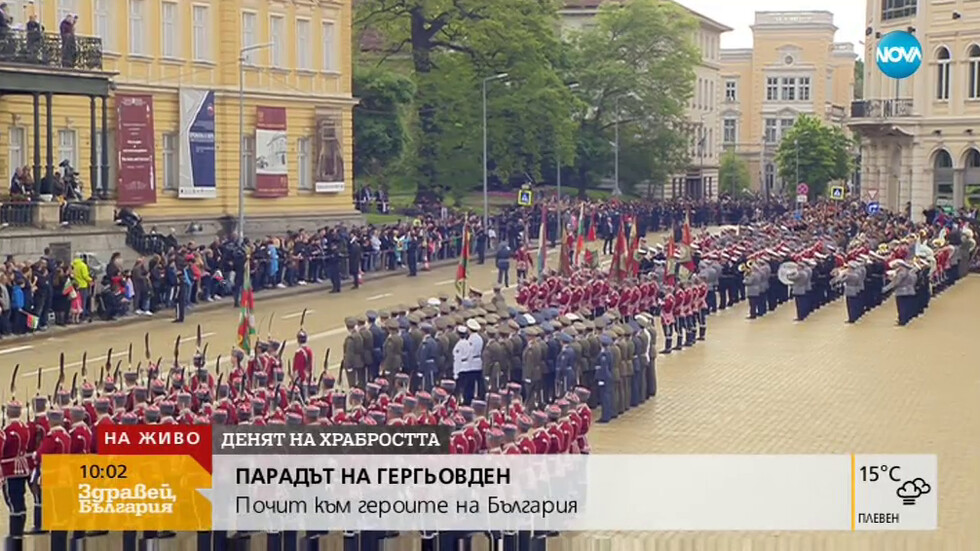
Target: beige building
701,178
919,135
793,68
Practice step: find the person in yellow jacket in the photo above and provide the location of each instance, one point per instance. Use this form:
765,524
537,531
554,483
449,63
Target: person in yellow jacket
83,284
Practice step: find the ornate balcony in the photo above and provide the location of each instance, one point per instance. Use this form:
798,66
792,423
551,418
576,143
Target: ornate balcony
40,49
881,109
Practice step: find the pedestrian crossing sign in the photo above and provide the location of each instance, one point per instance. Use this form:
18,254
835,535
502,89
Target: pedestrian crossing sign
837,193
525,198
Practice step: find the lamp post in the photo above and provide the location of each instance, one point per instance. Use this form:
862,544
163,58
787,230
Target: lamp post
241,134
571,86
486,200
616,191
796,146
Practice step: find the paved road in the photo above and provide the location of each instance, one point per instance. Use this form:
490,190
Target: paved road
765,386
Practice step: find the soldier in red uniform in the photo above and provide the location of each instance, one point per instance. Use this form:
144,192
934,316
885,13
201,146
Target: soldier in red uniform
81,434
302,360
14,469
103,419
56,441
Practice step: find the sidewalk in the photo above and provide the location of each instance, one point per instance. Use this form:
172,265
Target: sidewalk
265,294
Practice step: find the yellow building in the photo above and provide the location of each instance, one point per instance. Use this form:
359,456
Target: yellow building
177,51
793,68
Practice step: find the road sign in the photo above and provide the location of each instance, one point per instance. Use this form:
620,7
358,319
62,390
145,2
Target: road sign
802,189
837,193
874,208
801,198
872,195
525,198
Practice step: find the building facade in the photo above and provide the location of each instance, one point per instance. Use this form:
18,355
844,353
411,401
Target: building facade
170,129
701,177
794,67
919,135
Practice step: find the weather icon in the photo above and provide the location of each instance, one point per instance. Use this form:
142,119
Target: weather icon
910,490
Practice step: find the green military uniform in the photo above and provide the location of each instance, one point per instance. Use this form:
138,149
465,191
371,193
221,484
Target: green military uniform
617,372
493,353
443,359
498,300
516,354
391,364
628,367
353,363
367,346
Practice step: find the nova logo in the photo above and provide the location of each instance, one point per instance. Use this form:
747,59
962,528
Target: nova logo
899,55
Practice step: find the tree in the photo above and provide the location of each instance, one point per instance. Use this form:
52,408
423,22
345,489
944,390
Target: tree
859,79
733,175
634,67
380,129
454,45
822,152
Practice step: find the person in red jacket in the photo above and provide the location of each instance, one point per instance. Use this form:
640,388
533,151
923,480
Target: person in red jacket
14,464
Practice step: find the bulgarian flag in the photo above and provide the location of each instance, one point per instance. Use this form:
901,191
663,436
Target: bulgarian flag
592,226
632,266
543,242
616,271
33,321
686,230
246,320
464,260
565,254
670,268
580,237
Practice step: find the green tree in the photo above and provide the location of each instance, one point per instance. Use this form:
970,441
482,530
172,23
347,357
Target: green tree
380,128
453,45
859,79
634,67
819,152
733,175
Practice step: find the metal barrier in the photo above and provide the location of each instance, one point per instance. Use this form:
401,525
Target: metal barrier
77,214
18,214
48,49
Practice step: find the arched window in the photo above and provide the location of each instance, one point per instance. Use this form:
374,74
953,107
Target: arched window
770,177
974,91
942,178
943,74
971,180
972,158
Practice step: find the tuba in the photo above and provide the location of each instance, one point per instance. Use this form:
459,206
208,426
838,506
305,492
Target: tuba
788,272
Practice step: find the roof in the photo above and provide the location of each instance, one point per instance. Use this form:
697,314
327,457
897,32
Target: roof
594,5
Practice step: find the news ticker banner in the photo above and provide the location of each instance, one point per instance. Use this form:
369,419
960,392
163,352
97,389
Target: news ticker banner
193,478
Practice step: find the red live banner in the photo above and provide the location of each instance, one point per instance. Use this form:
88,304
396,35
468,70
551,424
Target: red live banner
271,141
136,183
190,440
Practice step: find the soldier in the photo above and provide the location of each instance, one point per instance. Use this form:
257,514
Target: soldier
302,360
15,442
378,337
854,290
532,369
753,289
903,282
636,382
605,380
618,353
667,318
566,363
649,357
80,434
492,356
498,300
413,340
800,279
427,357
353,362
391,363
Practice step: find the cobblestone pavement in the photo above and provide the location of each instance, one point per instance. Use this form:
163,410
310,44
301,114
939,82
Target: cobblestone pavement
758,387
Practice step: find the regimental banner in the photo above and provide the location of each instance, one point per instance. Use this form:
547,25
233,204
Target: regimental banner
136,183
327,478
329,174
197,167
271,142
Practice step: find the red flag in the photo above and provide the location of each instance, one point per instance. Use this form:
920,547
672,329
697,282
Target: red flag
565,253
595,222
633,267
246,320
670,267
461,268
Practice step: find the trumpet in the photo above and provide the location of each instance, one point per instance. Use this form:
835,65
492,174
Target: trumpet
745,267
837,275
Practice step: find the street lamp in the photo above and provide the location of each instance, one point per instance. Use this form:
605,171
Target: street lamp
241,134
616,191
486,200
796,146
571,86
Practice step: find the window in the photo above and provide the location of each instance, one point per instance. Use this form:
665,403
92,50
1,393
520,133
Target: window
803,90
202,46
67,150
304,154
772,89
137,31
784,126
974,91
711,142
17,148
329,47
942,74
789,89
170,15
731,90
170,166
248,161
277,32
770,135
65,8
896,9
770,177
103,24
729,131
248,37
304,51
711,94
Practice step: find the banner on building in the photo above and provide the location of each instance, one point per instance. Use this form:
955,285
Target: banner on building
329,155
271,170
197,174
136,181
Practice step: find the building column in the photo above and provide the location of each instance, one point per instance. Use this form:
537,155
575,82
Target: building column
93,169
104,166
37,142
49,116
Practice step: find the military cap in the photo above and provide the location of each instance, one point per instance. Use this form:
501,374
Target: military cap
570,331
493,319
491,331
350,322
362,319
453,306
439,323
590,325
565,338
521,322
414,319
445,309
127,419
496,288
554,412
371,315
579,326
467,303
384,314
430,312
601,323
514,325
433,302
219,416
444,297
480,311
403,323
422,302
556,323
468,314
490,307
547,328
427,327
480,321
634,326
391,325
402,309
538,318
521,309
510,431
605,340
493,400
461,329
504,313
473,325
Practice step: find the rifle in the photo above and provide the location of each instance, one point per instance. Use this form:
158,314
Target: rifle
177,351
129,356
61,373
74,388
146,346
217,365
302,319
199,339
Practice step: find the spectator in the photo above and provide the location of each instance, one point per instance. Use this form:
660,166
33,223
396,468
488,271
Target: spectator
83,284
4,306
17,183
68,46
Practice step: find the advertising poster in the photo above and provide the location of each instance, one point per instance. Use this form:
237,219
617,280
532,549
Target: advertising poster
271,142
197,174
136,181
329,173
